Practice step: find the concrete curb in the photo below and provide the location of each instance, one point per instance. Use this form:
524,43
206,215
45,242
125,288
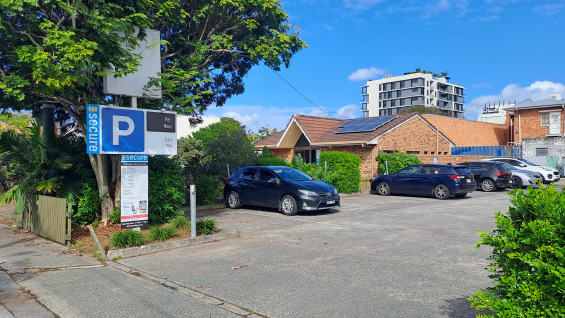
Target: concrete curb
155,247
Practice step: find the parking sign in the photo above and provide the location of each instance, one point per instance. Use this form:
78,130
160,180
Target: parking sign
118,130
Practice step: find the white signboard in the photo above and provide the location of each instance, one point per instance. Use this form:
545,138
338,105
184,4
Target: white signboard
133,84
120,130
135,191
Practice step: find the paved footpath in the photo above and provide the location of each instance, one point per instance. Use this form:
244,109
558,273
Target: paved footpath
39,279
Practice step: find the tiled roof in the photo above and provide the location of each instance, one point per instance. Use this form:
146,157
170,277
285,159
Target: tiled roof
271,140
316,127
332,137
528,103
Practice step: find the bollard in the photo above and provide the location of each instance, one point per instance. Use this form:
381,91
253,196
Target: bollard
192,210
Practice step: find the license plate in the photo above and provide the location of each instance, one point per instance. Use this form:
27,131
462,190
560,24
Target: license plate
330,202
468,180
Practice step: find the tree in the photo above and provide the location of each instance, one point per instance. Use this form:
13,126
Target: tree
14,121
266,131
190,151
58,51
421,109
435,75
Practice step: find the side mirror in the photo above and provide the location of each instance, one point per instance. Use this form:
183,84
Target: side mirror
273,180
522,165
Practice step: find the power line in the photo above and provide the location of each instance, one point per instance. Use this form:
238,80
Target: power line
306,98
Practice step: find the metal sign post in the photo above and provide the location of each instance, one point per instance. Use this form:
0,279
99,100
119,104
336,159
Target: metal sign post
192,210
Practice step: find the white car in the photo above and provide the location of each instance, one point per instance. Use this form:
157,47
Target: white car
548,174
523,178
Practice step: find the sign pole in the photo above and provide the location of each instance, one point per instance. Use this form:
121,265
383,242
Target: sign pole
192,210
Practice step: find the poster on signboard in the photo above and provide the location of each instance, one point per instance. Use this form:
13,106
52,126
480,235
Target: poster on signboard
135,191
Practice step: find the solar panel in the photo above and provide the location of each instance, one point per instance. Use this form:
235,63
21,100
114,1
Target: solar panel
364,125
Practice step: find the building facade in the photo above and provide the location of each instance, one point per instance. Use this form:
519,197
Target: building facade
388,96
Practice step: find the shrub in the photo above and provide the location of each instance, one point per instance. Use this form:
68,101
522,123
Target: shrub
269,159
166,189
88,206
128,238
396,161
161,233
116,216
180,223
528,263
208,188
345,170
206,226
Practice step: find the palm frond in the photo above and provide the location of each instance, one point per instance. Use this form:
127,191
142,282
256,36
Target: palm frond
48,186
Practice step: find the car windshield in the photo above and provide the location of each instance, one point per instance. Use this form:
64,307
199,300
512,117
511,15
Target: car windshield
527,162
509,167
291,174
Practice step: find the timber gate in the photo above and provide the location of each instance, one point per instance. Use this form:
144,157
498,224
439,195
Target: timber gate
48,217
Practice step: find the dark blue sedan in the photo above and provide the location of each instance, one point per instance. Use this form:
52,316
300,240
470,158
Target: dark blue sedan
440,181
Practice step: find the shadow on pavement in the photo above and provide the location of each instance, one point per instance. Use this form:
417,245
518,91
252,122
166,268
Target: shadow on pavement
460,308
302,213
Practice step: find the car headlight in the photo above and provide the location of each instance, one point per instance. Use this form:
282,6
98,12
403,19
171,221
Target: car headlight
546,169
306,192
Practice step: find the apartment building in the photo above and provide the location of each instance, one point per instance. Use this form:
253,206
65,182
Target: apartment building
388,96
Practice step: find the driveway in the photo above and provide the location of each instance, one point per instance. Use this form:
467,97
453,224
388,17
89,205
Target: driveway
376,256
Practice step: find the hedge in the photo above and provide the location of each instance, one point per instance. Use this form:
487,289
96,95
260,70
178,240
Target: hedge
396,161
347,166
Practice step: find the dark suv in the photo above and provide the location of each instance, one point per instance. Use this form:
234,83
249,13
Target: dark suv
288,189
490,175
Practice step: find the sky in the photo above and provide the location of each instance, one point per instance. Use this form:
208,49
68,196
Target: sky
499,50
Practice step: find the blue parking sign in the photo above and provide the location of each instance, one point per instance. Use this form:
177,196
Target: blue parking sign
123,130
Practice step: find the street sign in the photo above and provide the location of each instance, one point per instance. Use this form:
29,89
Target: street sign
119,130
135,189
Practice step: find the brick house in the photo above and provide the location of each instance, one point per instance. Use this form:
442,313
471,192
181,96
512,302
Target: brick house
410,133
538,126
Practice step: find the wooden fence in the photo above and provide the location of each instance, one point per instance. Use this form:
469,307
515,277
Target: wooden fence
48,217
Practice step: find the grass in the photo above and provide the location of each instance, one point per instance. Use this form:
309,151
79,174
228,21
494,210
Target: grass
128,238
206,226
180,223
161,233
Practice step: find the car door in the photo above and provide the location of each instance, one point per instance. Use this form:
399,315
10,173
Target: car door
430,177
404,180
247,185
480,170
267,191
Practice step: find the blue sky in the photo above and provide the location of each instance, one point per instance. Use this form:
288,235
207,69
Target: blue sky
498,49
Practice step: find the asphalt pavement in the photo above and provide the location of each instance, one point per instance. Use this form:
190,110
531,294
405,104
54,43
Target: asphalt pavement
376,256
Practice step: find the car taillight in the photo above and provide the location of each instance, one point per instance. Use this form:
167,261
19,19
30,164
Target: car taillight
457,177
229,179
498,174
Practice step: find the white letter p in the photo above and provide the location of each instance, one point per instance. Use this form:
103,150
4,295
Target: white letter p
118,132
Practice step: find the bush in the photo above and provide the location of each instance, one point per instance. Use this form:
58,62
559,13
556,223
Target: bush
268,159
116,216
208,188
129,238
88,207
528,263
344,168
206,226
396,161
161,233
180,223
166,189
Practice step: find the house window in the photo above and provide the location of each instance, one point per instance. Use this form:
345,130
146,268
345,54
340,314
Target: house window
398,93
392,85
380,88
402,102
422,91
393,103
427,83
541,152
414,80
384,104
545,119
380,105
413,152
384,87
414,90
364,90
402,84
414,99
389,94
365,99
363,106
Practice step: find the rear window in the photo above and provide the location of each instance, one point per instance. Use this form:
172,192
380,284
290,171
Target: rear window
502,168
462,171
436,170
247,174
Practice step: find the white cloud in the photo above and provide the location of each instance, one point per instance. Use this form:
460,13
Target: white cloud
348,111
359,5
246,119
548,9
365,74
436,7
515,93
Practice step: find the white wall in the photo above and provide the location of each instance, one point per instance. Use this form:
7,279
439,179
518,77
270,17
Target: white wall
184,129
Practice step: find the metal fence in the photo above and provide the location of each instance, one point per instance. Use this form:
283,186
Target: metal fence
486,151
48,217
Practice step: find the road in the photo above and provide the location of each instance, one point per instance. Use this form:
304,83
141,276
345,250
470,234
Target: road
375,256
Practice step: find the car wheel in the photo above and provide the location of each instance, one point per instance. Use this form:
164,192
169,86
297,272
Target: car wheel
288,205
233,200
441,191
460,195
383,188
488,185
517,182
